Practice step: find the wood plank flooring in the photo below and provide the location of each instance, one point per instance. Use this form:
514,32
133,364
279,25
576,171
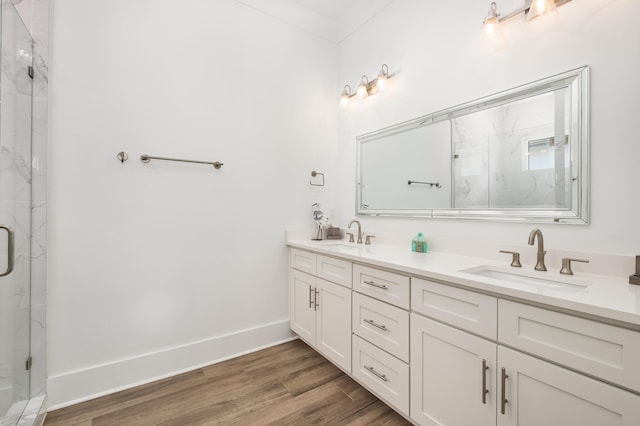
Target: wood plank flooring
288,384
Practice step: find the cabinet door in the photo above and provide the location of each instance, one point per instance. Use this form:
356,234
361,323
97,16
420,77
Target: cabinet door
302,311
334,323
452,376
540,393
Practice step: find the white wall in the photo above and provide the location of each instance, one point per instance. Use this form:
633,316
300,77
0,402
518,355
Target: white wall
163,266
442,59
160,267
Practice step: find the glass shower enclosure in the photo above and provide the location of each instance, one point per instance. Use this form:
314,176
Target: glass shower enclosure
16,76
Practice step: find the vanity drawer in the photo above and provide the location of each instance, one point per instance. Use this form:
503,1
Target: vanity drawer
334,270
384,325
386,286
470,311
383,374
602,350
303,261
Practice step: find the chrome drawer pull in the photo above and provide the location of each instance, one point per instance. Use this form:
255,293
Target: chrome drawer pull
485,391
315,300
310,301
382,286
373,323
504,402
375,373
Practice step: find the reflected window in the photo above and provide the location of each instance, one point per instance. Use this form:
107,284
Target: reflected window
541,153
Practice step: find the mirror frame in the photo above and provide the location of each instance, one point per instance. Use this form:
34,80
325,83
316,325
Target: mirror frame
577,81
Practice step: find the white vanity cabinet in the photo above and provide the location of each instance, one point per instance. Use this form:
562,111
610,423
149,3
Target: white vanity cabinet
448,355
381,334
537,392
319,310
453,378
462,378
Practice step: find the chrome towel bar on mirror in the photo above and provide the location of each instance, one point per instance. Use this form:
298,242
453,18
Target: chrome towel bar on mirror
146,158
436,184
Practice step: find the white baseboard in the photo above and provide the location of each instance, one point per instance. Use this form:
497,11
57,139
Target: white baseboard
82,385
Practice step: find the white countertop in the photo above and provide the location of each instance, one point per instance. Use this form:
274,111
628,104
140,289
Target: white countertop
603,296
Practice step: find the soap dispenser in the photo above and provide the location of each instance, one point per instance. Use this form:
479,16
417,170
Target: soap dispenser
419,243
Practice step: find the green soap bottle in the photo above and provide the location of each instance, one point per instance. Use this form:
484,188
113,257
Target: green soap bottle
419,243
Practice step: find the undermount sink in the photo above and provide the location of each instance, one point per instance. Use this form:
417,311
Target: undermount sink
531,279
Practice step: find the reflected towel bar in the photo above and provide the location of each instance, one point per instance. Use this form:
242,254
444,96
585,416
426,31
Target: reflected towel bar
146,158
436,184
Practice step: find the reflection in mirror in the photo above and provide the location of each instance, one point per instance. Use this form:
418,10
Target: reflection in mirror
417,156
517,155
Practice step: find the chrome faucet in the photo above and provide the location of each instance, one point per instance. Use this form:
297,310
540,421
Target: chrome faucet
540,266
359,229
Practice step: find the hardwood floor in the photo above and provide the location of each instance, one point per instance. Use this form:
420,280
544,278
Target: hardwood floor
288,384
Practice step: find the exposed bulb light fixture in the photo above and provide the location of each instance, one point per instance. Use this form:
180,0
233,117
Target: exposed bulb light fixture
363,87
540,7
346,94
383,75
531,9
367,87
492,20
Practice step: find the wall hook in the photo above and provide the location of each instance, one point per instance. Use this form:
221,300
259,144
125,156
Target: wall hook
122,156
314,174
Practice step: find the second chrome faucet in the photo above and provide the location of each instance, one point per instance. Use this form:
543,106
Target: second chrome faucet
359,230
540,266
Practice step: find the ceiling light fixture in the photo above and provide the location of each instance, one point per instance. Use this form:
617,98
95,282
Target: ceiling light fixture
367,87
531,9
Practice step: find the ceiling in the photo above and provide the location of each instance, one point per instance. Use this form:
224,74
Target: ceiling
333,20
330,9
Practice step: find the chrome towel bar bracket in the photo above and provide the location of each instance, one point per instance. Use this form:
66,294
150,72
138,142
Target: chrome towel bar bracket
146,158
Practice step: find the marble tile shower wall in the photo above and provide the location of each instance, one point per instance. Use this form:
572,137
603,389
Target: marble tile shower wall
490,169
40,34
35,15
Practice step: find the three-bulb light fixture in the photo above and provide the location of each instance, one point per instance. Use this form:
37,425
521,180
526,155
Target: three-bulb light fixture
367,87
531,9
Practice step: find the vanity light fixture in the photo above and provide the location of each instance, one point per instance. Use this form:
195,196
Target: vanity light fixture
383,75
492,20
540,7
531,9
346,94
363,87
366,87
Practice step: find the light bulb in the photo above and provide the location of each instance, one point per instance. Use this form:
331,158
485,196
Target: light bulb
382,77
362,91
362,87
490,28
346,94
492,20
540,7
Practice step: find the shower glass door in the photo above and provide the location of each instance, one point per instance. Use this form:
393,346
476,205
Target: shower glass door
15,213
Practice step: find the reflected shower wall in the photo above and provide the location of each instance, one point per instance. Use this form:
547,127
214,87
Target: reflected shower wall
514,156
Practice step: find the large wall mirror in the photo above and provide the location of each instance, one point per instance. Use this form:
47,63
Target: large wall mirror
518,155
